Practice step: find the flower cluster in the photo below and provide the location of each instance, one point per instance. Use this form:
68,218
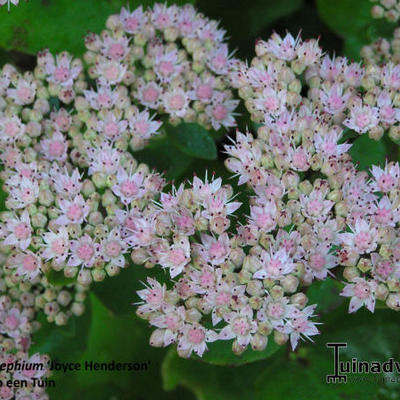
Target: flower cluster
171,59
221,290
17,323
383,51
67,170
347,95
388,9
369,247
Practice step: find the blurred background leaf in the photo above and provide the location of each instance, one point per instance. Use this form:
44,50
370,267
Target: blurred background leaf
193,140
58,24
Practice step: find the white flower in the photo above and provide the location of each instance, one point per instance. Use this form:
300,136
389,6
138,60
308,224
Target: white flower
83,252
56,245
27,264
362,292
19,231
73,211
112,249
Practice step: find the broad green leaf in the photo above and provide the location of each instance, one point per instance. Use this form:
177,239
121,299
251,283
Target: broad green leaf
304,378
193,140
163,156
366,151
57,24
325,294
63,341
210,382
346,17
220,353
352,20
245,21
119,340
58,278
119,292
369,336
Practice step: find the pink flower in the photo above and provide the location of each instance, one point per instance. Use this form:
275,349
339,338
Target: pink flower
327,144
299,325
24,92
362,239
284,49
264,216
26,193
320,261
104,98
128,186
167,66
163,16
271,102
193,339
176,257
240,326
170,322
362,292
83,252
111,126
315,206
55,148
176,102
19,231
66,185
112,249
103,158
132,21
220,111
62,71
27,265
215,251
32,371
149,94
11,129
387,179
143,125
153,296
387,113
73,211
334,100
218,59
274,265
362,118
11,322
57,245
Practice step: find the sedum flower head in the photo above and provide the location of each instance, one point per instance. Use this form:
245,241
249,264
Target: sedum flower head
170,59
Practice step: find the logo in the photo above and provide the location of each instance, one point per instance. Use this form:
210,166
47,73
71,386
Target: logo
341,369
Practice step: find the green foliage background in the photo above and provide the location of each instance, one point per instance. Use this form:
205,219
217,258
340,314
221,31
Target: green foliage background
110,330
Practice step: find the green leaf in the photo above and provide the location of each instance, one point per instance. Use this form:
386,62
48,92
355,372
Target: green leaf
57,24
220,353
345,17
366,151
245,21
350,19
210,382
119,292
62,341
163,156
193,139
119,339
325,294
57,278
304,378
